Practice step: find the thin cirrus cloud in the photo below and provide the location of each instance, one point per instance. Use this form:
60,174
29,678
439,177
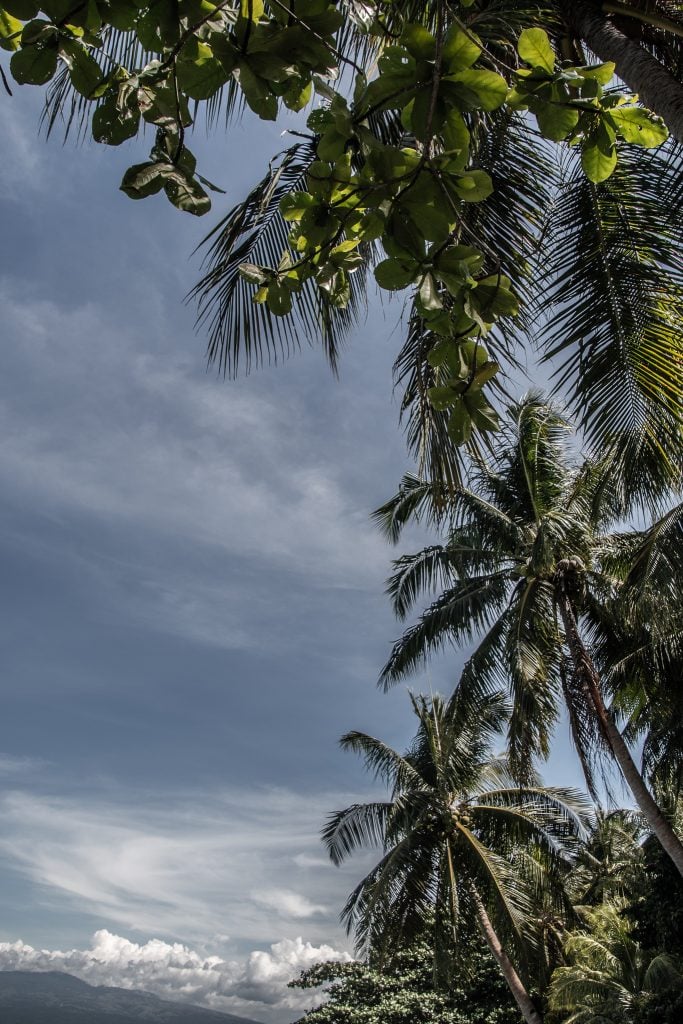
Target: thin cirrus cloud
240,864
192,492
162,449
254,985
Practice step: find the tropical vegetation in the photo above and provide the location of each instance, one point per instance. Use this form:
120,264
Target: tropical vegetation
401,990
534,568
479,154
461,842
513,170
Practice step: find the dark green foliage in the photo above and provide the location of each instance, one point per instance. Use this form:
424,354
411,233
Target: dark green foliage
656,901
402,992
661,1008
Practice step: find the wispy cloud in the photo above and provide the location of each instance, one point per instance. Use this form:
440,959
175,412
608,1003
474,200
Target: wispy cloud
15,765
243,862
180,463
255,985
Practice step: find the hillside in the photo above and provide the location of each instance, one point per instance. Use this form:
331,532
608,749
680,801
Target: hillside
52,997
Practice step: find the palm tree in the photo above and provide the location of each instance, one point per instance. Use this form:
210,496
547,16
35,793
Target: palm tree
608,971
461,843
605,862
596,266
530,555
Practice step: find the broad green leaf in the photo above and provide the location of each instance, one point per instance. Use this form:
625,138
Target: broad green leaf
460,50
257,93
598,164
39,32
442,397
534,48
25,10
491,299
640,126
298,96
395,274
279,299
251,9
84,71
428,294
459,424
472,355
201,78
485,373
489,88
456,139
602,73
142,180
10,31
294,205
473,186
555,122
186,194
484,416
112,126
33,65
418,41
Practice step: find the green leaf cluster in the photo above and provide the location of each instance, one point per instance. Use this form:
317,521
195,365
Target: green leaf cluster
570,103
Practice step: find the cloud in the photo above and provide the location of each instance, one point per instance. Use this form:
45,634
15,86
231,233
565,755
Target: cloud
237,862
11,764
255,985
214,490
293,904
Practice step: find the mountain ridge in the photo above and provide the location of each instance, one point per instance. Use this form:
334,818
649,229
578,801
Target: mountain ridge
27,996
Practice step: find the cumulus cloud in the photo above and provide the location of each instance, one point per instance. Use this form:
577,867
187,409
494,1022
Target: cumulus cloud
255,985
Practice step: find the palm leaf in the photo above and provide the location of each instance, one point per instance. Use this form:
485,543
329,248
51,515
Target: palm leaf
457,615
614,293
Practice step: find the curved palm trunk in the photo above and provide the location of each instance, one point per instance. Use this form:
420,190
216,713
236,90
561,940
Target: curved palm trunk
519,992
588,674
643,74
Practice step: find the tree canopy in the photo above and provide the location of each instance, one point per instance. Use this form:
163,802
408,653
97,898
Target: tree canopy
429,156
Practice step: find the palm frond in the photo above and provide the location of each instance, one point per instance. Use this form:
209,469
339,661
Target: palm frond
415,501
382,761
613,285
356,827
242,332
456,616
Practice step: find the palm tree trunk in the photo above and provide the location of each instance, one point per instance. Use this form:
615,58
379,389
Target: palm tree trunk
519,992
658,89
586,671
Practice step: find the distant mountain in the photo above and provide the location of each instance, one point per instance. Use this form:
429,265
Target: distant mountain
52,997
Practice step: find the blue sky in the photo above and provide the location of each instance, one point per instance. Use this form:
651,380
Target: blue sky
192,593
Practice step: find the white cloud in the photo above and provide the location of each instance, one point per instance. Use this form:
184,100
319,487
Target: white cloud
190,868
255,985
288,903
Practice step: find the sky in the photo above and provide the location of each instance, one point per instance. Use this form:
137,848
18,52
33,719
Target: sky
192,594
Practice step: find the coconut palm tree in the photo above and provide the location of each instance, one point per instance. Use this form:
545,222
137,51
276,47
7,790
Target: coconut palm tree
608,972
605,862
531,555
460,841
